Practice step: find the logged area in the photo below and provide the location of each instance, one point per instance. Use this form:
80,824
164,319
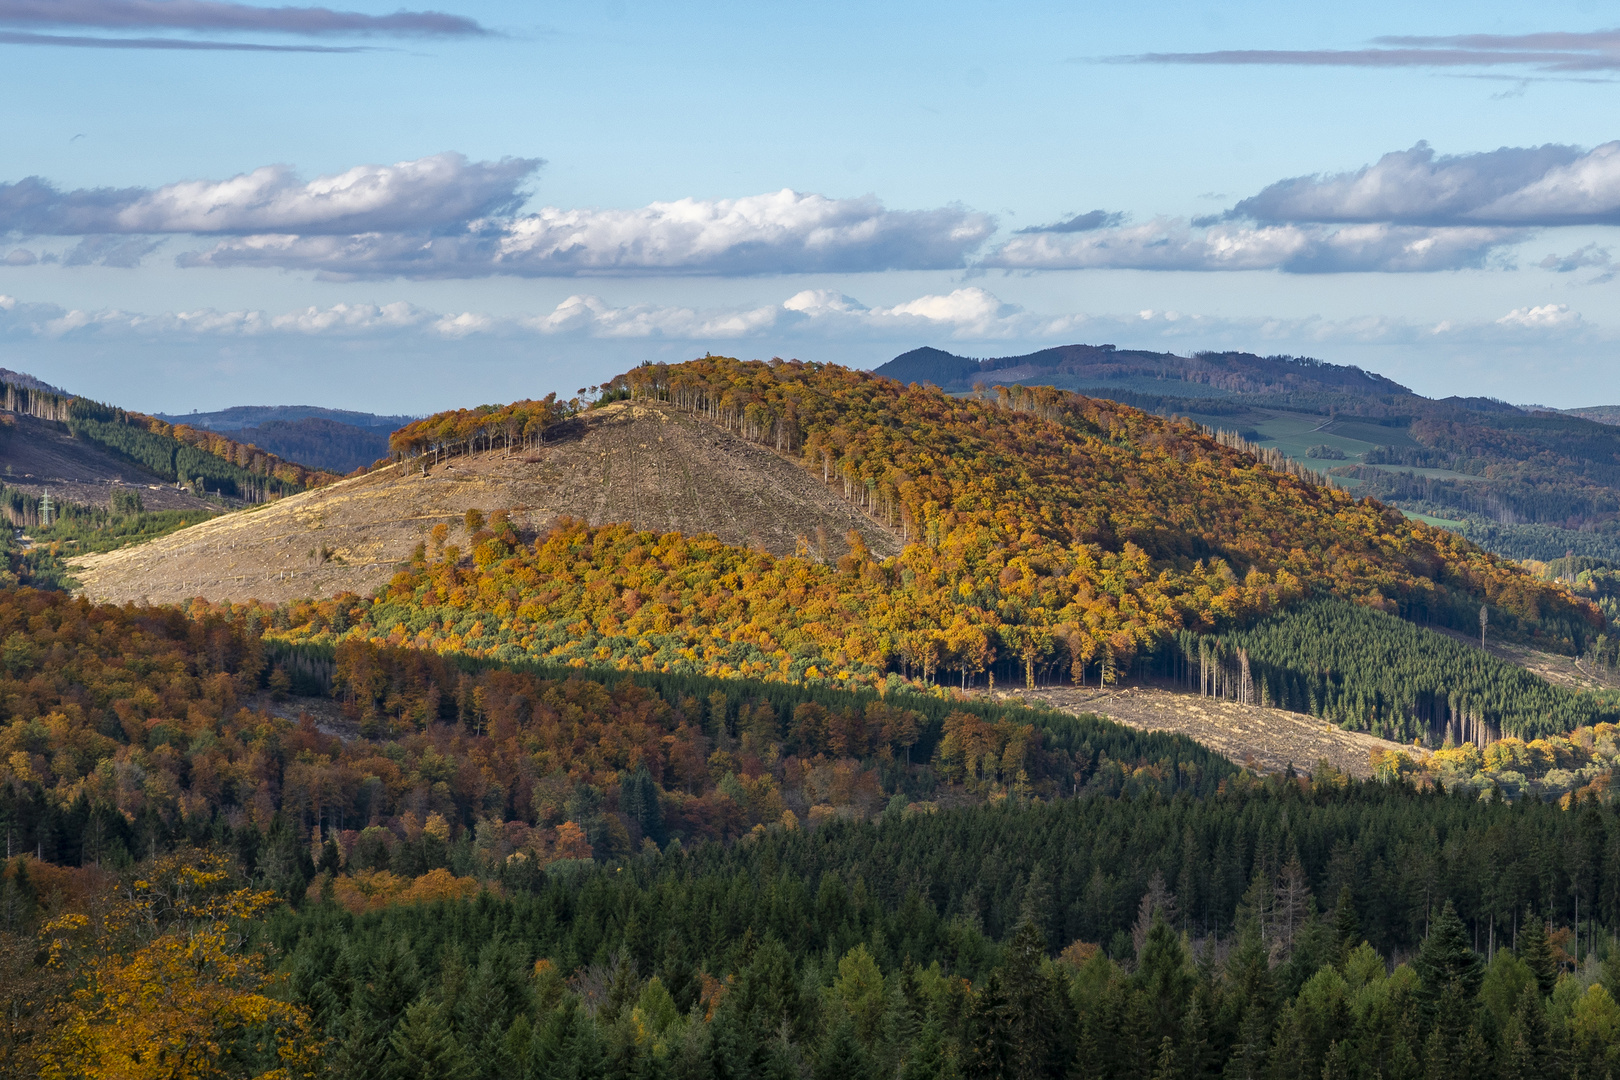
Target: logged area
1269,740
643,464
41,456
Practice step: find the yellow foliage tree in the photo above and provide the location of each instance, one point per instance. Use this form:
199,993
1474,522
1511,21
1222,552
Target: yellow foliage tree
169,988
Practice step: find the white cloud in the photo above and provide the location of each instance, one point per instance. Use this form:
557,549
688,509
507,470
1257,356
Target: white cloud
970,315
441,191
780,232
1512,186
814,302
1171,244
1541,317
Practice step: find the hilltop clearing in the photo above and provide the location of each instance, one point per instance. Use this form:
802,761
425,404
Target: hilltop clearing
644,464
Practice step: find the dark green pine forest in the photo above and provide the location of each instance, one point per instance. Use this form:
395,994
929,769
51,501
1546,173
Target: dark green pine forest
1284,928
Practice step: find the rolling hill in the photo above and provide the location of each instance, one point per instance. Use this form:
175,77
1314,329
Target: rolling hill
696,528
1522,482
338,440
645,464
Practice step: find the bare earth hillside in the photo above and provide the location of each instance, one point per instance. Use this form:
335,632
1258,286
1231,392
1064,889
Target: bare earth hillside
645,464
39,456
1269,739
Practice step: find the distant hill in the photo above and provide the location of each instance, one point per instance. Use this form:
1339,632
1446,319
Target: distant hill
23,379
248,416
323,443
1523,481
1603,414
1072,367
335,439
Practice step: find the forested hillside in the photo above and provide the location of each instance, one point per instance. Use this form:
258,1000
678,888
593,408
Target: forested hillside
367,860
202,459
1524,482
1369,671
122,721
1250,933
1045,535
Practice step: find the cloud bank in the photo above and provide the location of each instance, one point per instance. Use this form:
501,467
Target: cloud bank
778,233
1561,53
443,217
441,191
969,314
1171,244
216,15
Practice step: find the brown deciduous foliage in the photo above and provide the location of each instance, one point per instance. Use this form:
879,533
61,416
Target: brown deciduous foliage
1040,528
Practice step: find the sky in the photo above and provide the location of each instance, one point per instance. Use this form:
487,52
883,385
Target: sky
401,210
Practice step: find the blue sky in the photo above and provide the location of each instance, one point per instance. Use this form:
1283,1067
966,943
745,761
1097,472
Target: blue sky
475,202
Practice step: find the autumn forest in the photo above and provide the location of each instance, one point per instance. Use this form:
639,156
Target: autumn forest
577,798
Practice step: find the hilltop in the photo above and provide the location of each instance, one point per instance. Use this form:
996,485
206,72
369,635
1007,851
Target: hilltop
240,417
696,528
1524,482
646,464
1079,367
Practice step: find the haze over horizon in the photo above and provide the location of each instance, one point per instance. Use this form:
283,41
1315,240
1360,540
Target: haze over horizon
209,203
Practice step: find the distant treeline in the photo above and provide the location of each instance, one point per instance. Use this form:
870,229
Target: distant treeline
1503,500
172,460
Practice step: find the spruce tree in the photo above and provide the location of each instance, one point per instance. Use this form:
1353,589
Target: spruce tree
991,1051
927,1058
390,985
842,1057
424,1047
1345,924
1339,1063
1445,957
1035,1007
484,1014
1525,1051
1536,951
1165,1066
